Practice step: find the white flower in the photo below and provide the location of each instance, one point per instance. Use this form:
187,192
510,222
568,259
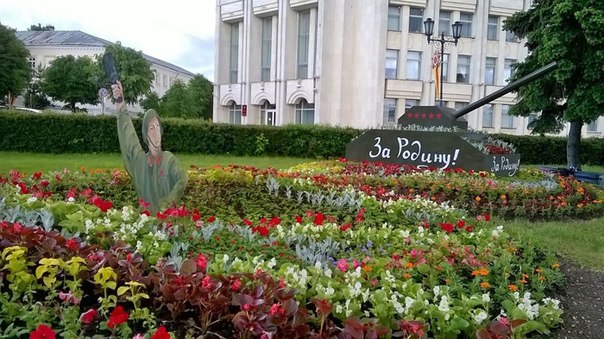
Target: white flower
70,199
436,290
272,263
444,304
554,302
32,199
479,316
486,298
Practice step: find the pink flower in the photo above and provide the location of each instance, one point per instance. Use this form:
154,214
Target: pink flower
342,265
138,336
277,309
206,282
69,297
356,263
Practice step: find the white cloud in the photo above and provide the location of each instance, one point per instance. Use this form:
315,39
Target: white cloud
176,31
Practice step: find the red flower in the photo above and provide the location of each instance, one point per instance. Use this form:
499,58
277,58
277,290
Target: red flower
118,316
343,228
247,222
142,203
361,215
211,218
161,216
44,183
36,175
89,316
275,221
263,231
277,309
22,188
447,227
298,219
72,244
206,282
201,261
42,332
195,216
319,218
487,217
236,285
161,333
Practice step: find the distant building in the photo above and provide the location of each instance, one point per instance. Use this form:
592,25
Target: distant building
362,63
45,46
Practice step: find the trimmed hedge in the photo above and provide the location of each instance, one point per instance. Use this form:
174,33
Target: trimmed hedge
552,150
79,133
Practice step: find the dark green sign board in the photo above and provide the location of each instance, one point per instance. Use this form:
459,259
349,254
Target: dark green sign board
441,150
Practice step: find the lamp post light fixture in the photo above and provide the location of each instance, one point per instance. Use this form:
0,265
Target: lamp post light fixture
429,30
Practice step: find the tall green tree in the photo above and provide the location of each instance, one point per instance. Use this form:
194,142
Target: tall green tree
135,72
15,71
151,101
72,80
201,91
571,33
178,102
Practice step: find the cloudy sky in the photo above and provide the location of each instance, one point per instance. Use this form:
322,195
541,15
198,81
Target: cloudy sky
177,31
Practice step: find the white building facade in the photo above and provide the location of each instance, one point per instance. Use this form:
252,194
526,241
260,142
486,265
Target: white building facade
362,63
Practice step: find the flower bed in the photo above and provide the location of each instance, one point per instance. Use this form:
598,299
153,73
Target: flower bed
325,250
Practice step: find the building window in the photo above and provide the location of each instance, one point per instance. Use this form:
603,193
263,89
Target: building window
414,61
507,121
444,22
463,69
32,62
445,66
394,18
489,71
391,63
593,126
235,114
532,117
303,43
165,80
305,113
487,116
466,21
234,54
508,70
416,20
389,110
267,114
511,37
267,35
493,28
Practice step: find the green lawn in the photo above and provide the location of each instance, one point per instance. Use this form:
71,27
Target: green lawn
580,241
33,162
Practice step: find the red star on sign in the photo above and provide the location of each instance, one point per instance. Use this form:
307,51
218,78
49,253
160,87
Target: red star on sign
416,115
424,115
431,116
410,116
438,115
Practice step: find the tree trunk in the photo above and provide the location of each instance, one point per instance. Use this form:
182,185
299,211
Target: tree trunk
573,145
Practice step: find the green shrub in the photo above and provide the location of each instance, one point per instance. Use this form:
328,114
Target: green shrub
71,133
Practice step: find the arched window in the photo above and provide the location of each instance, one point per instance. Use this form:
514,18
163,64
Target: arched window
305,113
267,114
235,114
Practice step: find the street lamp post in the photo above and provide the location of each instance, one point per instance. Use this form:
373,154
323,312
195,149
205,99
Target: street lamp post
429,30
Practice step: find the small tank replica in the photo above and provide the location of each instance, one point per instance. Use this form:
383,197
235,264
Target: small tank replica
433,137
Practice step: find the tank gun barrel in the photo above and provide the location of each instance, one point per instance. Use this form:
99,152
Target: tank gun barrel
505,90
